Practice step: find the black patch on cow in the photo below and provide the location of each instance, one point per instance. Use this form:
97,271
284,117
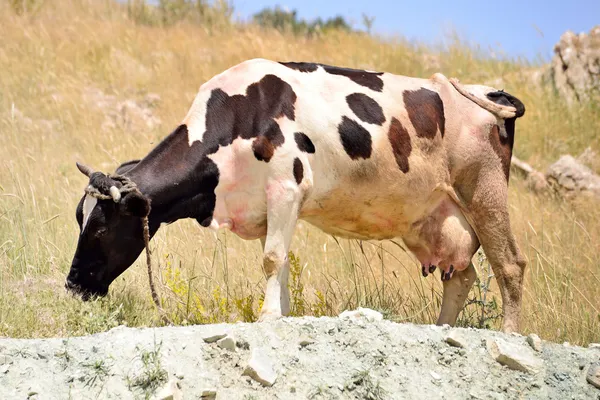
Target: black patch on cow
507,99
304,143
426,112
301,66
298,170
126,167
365,108
367,79
400,141
181,179
250,116
355,139
503,145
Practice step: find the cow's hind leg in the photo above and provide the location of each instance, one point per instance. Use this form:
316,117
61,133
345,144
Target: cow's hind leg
283,200
486,196
456,291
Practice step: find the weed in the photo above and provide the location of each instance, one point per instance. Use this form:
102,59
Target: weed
362,384
152,375
98,371
480,311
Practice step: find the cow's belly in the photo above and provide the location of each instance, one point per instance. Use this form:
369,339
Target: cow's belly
432,226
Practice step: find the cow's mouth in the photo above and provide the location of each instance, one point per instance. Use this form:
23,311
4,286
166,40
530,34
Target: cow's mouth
86,293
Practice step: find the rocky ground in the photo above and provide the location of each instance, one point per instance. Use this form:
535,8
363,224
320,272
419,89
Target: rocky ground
356,356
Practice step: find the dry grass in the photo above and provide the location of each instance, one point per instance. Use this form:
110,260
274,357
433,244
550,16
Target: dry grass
52,59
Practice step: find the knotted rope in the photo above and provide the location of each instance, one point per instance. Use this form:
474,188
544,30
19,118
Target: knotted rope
129,186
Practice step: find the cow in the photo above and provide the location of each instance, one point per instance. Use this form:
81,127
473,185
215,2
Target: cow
358,154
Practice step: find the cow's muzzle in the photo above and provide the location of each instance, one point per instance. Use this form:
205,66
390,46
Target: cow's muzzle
86,293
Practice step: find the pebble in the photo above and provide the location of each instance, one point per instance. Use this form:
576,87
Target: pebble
260,369
213,335
456,339
227,343
170,391
535,342
435,375
305,341
362,313
594,346
593,375
515,357
208,393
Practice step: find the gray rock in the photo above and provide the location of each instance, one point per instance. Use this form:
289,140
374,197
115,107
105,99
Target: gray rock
593,375
571,177
456,339
515,357
227,343
574,68
362,314
260,369
535,342
213,335
208,393
305,341
170,391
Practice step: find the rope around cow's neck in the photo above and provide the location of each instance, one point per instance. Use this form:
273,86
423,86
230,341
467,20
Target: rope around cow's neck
129,186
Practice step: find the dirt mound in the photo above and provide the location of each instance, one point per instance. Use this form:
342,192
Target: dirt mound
356,357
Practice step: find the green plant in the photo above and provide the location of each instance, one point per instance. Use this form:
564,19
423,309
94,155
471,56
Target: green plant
99,370
480,311
152,375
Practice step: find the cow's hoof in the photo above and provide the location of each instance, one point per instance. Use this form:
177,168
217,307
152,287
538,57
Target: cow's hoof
269,316
447,275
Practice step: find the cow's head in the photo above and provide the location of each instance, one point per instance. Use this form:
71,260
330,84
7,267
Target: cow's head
111,233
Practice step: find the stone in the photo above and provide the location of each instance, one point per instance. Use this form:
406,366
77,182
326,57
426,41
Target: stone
305,341
515,357
456,339
571,177
574,69
435,375
227,343
535,342
260,369
361,314
593,375
594,346
208,393
213,335
170,391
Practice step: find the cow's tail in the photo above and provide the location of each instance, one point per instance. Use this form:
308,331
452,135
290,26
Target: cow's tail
499,103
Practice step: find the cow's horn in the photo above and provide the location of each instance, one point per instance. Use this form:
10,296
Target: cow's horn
115,193
87,171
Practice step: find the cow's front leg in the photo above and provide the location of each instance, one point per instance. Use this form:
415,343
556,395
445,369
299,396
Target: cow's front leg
456,291
283,200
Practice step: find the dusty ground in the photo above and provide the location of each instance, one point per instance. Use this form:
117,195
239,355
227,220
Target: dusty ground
326,358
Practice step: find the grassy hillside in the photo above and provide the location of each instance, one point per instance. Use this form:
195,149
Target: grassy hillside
67,68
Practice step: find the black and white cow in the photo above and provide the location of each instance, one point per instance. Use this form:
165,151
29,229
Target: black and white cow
358,154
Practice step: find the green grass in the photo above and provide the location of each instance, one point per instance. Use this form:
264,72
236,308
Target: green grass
52,59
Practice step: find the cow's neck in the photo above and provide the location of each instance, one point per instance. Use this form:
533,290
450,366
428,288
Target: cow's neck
179,180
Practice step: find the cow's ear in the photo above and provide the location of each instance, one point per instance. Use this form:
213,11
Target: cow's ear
136,204
126,166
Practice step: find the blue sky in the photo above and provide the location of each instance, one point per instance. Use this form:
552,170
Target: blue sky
526,28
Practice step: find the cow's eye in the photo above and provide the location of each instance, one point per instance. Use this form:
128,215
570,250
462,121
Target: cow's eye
101,232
